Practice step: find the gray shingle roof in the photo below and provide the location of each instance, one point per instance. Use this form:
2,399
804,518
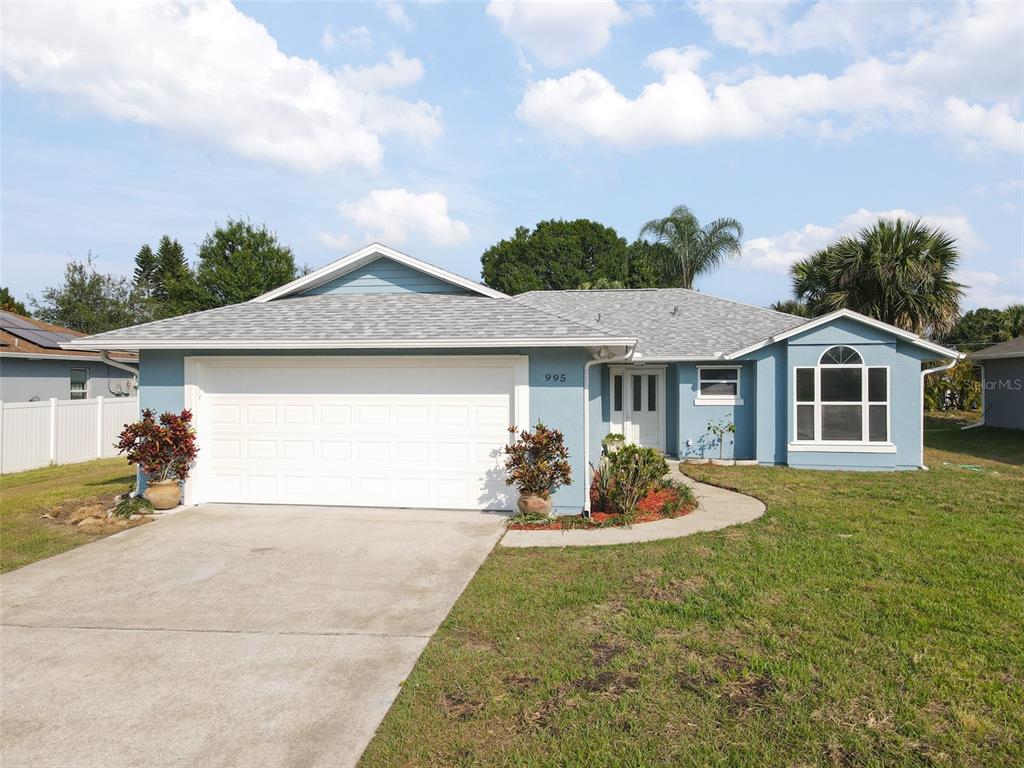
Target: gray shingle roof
670,323
1011,348
360,318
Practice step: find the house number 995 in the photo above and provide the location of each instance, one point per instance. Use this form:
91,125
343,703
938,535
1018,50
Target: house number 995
554,377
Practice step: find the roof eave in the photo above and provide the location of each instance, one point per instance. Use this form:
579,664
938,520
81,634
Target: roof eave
462,343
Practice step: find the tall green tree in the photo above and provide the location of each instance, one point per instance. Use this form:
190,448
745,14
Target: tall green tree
88,301
791,307
564,255
696,249
145,275
172,277
896,271
237,262
1013,321
10,304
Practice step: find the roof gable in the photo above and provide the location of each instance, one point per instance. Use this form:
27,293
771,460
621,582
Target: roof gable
329,279
384,275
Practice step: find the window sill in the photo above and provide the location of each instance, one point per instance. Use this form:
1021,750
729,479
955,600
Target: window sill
842,447
718,401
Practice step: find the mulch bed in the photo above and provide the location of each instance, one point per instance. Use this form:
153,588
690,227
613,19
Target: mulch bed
651,508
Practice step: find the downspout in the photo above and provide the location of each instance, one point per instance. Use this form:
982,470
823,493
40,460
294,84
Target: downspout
586,416
924,373
105,358
981,367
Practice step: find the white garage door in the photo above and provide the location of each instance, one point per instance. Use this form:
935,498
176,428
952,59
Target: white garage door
392,432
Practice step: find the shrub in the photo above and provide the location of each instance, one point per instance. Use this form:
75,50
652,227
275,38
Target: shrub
129,505
626,475
165,450
538,462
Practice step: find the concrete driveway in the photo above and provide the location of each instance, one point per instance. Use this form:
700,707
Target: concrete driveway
227,635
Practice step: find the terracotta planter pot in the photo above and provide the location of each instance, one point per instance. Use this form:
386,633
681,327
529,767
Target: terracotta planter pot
531,504
696,460
163,495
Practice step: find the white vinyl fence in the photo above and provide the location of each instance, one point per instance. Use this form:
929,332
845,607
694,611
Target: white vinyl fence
62,431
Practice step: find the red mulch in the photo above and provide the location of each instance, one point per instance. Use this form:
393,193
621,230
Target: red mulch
648,510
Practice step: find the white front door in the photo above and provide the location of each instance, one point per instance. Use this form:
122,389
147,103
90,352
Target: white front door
356,431
638,405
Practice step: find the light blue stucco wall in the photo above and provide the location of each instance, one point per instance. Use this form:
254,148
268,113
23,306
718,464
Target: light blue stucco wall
559,404
385,276
24,379
693,437
878,348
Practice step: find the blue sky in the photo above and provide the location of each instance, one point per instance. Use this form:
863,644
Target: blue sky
440,127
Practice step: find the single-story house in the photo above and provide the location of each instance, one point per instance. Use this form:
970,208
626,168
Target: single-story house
1002,383
34,367
381,380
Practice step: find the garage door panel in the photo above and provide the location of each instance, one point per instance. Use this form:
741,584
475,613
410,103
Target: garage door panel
379,435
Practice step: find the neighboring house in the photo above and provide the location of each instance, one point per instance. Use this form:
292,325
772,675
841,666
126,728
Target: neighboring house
380,380
1002,383
33,366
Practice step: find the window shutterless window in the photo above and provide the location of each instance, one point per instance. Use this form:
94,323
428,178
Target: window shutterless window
718,385
841,400
617,392
79,383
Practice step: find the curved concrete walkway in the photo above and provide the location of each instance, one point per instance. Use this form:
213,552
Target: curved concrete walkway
716,508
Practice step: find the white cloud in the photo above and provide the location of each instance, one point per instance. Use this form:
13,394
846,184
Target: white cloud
558,33
979,127
987,289
977,55
395,13
210,72
354,37
788,27
778,253
339,242
393,215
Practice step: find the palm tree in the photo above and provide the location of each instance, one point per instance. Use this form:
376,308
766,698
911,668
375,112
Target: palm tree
696,249
790,307
896,271
1013,321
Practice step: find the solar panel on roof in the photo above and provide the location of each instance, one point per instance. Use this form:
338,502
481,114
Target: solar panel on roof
46,339
7,319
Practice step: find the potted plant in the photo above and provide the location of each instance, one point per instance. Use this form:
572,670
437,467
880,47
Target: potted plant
537,464
165,450
720,429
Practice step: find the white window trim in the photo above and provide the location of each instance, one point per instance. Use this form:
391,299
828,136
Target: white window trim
736,399
844,446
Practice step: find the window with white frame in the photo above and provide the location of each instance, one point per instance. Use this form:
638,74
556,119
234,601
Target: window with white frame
718,385
79,383
841,400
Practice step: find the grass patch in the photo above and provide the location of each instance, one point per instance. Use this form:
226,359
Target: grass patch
24,496
867,619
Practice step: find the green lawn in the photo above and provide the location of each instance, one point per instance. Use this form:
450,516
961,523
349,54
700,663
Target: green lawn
871,619
24,536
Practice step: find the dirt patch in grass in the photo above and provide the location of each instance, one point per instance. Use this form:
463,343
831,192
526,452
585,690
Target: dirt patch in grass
459,706
520,683
604,652
608,684
90,518
651,586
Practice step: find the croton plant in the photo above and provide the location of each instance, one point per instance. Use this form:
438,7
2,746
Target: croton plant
538,461
166,450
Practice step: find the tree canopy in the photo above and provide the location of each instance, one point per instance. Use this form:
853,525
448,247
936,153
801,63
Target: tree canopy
896,271
88,301
10,304
984,327
696,249
563,255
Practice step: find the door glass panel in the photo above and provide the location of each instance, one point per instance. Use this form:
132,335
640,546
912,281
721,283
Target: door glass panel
617,392
840,385
841,422
878,430
805,385
652,393
805,422
638,393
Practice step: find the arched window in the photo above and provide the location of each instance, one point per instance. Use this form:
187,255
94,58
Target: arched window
841,401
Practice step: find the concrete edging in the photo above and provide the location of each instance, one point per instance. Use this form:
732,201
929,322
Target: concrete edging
716,508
